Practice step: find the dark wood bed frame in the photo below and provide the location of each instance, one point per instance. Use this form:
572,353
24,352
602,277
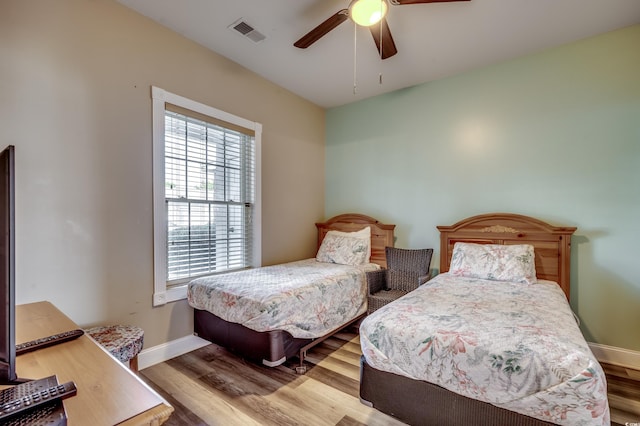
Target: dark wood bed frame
272,348
418,402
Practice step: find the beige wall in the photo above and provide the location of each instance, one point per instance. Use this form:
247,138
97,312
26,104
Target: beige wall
75,78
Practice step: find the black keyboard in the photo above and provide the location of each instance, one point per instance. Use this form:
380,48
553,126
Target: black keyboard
44,342
33,399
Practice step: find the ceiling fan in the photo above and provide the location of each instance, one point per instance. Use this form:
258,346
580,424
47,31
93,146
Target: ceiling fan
368,13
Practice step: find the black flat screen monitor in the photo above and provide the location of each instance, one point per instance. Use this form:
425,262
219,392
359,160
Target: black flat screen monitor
7,267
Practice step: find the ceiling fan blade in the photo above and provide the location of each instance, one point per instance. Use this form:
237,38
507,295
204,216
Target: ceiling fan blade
388,47
322,29
403,2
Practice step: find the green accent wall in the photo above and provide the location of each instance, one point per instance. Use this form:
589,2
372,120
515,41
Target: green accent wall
554,135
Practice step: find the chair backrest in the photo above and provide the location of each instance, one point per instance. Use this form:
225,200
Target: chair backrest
405,267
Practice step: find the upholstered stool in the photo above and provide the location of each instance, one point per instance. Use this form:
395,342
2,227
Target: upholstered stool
122,341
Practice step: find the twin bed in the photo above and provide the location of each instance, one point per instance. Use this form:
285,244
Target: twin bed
491,341
274,313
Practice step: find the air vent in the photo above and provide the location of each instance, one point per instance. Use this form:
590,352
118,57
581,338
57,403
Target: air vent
241,26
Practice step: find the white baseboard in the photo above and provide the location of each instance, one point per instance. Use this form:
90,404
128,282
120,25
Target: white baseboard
166,351
172,349
617,356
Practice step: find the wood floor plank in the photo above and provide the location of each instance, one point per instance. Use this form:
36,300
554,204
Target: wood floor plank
211,386
348,421
214,387
339,361
242,381
626,388
347,335
249,387
207,405
622,418
182,415
633,374
625,404
335,365
624,394
351,345
345,384
341,353
348,348
348,404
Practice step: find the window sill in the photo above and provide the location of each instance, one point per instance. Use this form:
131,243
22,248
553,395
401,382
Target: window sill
172,294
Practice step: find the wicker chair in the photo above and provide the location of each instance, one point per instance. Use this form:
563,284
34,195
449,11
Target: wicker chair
406,270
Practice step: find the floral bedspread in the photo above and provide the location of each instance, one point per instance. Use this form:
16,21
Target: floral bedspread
307,298
516,346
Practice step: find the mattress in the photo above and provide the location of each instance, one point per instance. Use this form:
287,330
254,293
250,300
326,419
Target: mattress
515,346
306,298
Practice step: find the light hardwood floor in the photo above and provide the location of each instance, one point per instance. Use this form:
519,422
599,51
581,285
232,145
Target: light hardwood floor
623,386
210,386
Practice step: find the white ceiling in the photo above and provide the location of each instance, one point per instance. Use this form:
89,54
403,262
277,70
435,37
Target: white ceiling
433,40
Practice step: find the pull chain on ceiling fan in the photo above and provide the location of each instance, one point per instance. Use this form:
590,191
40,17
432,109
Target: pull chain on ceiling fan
371,13
364,13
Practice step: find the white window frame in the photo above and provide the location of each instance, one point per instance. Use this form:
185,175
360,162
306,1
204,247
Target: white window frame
162,293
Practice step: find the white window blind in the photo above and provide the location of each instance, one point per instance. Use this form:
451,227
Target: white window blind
209,175
210,194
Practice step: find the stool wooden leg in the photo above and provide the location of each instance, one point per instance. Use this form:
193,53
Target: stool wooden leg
133,364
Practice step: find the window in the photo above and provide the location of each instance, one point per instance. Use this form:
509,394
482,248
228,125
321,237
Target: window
206,193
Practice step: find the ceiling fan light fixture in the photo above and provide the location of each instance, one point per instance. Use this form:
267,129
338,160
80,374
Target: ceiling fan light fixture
367,12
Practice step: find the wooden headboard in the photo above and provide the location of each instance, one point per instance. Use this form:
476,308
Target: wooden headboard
552,244
381,234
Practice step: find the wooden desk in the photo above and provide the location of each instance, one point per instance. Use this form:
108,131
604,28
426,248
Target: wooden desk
108,392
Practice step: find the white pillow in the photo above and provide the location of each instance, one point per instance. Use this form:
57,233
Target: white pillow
346,248
514,263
